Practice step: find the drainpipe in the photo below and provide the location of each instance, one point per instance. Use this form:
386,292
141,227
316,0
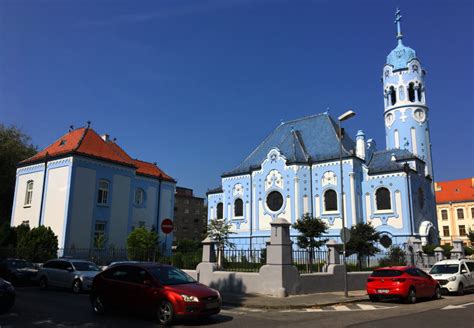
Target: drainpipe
43,187
406,168
158,207
311,184
251,211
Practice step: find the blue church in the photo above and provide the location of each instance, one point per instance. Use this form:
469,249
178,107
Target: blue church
296,170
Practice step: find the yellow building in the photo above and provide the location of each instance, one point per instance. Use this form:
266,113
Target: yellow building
455,209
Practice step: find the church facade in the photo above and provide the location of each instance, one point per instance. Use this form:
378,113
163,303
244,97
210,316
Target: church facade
296,170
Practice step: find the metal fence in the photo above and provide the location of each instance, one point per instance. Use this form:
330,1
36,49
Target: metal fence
243,260
308,262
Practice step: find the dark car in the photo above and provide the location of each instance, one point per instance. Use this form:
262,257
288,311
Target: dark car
407,283
18,271
7,296
162,290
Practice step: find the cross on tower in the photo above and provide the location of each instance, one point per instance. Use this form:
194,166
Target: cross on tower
398,18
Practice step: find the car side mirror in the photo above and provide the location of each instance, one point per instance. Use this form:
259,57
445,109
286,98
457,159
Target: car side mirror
70,269
463,271
147,283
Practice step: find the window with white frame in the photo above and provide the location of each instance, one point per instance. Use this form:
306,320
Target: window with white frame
29,193
99,234
103,193
139,196
330,200
382,199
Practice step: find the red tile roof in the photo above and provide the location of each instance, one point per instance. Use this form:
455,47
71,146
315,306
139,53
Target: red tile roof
87,142
455,191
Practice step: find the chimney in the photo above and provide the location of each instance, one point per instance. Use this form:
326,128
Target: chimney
105,137
360,144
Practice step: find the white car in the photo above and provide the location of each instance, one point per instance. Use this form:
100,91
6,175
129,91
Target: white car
454,276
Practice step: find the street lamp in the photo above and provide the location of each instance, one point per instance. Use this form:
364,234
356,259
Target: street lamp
344,117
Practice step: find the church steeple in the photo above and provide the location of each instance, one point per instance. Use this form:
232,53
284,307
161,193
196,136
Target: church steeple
406,113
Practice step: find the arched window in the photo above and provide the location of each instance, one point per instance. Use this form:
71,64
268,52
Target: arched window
139,196
103,192
382,197
411,92
419,91
386,241
29,193
330,200
238,207
393,95
220,211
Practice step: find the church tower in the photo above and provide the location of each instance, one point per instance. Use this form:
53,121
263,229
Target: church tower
406,113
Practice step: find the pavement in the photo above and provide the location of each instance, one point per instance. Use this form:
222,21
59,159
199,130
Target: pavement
294,301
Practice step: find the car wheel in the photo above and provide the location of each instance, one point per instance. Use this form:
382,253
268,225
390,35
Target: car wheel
77,286
374,298
460,291
437,293
165,313
98,305
43,283
411,297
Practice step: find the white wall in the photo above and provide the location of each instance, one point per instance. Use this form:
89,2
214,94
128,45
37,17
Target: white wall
56,201
118,226
80,217
31,213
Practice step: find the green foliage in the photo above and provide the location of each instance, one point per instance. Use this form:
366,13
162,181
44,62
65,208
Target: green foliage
263,256
447,251
470,235
15,146
468,251
311,229
220,231
142,244
99,241
8,235
38,244
396,256
429,249
188,245
362,242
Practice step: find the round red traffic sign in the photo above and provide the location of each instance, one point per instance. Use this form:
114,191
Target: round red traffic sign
167,226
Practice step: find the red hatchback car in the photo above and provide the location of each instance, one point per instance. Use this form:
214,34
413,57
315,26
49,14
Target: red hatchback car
162,290
407,283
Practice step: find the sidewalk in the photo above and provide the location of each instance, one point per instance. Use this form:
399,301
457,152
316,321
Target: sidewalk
292,302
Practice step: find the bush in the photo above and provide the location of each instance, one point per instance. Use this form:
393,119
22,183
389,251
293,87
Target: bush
142,245
429,249
38,244
396,256
468,251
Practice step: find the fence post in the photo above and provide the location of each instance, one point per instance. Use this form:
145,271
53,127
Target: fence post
439,255
208,250
458,249
333,253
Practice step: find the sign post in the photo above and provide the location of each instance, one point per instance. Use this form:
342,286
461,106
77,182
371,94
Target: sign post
167,227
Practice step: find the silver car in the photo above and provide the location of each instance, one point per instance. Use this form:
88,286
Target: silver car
68,273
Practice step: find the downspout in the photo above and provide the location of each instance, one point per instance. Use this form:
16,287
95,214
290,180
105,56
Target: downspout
158,207
251,211
43,187
406,168
311,185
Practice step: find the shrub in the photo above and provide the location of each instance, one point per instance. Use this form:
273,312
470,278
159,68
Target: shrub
142,245
396,256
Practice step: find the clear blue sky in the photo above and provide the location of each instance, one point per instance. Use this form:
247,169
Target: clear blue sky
196,85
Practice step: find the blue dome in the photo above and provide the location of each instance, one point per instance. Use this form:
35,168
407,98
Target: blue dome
400,56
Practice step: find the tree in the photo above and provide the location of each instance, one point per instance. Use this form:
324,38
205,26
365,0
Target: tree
447,250
38,244
15,146
396,256
142,244
219,231
311,229
470,236
362,242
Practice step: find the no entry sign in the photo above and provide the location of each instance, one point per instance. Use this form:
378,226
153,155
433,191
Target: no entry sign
167,226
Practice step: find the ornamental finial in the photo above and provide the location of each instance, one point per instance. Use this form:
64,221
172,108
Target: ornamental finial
398,18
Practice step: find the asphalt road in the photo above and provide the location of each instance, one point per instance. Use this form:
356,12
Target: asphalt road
58,308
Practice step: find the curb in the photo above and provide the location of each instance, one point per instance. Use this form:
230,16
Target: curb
294,306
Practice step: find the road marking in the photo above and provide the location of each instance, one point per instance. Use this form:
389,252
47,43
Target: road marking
460,306
314,310
341,308
367,307
6,315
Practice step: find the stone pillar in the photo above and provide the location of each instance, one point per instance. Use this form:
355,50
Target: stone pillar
439,256
208,250
458,249
279,277
333,252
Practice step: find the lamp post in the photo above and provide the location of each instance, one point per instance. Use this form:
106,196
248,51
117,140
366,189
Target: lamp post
347,115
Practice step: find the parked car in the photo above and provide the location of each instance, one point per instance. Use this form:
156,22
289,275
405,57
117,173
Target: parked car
7,295
407,283
68,273
17,271
454,276
147,288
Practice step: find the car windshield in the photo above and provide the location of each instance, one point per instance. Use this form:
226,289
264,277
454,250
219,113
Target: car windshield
444,269
85,266
171,276
19,264
387,273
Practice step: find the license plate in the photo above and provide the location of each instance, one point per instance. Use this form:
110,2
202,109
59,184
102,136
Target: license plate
383,291
212,305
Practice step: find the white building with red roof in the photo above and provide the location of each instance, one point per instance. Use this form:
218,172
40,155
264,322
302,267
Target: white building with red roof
91,192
